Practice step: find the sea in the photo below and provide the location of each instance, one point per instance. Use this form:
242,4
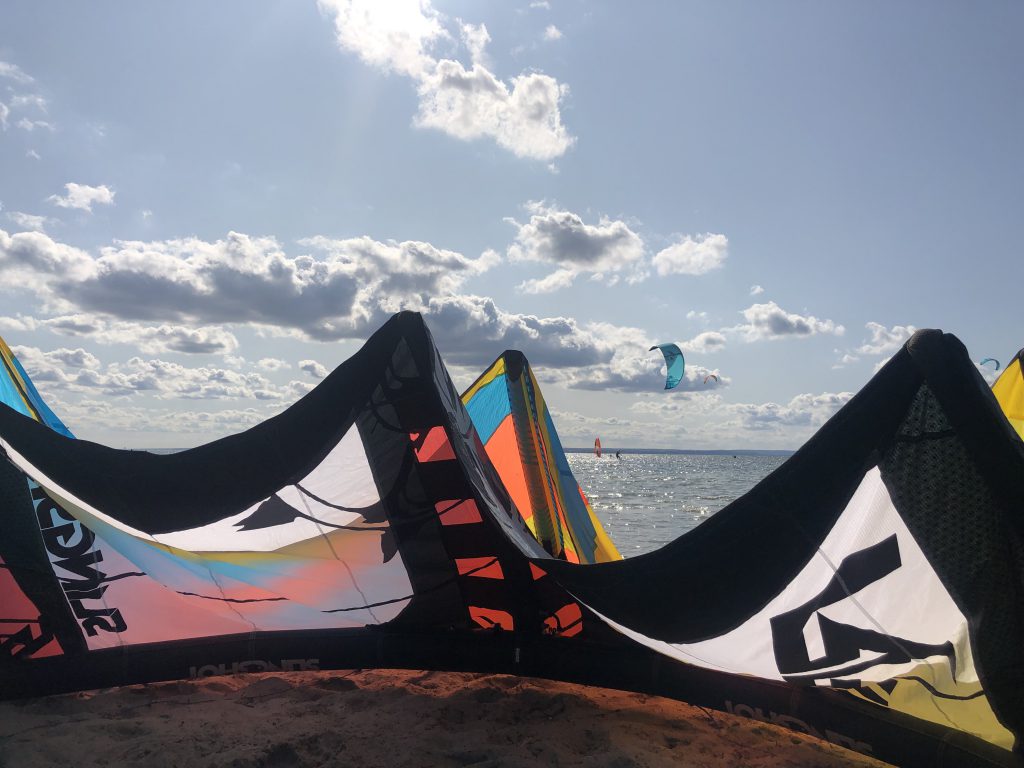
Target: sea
646,500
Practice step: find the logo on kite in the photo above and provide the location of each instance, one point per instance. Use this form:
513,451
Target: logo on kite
990,360
673,361
711,376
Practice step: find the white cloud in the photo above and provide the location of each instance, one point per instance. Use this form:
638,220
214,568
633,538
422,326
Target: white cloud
151,339
472,104
31,125
845,360
15,73
885,341
241,280
4,112
756,290
693,255
83,197
393,36
313,368
542,4
33,154
626,365
472,330
702,343
551,32
573,425
20,324
769,321
561,237
79,371
107,416
273,364
28,100
804,410
465,103
28,220
476,38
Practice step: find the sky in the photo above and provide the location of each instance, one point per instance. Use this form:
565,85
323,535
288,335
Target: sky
206,207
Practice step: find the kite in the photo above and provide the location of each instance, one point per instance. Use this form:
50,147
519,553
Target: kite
514,424
1009,391
990,360
366,525
673,361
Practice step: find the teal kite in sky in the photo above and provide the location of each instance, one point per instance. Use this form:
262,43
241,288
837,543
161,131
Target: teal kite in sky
674,361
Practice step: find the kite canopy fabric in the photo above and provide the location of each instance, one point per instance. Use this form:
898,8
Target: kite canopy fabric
870,591
18,392
1009,391
513,421
675,363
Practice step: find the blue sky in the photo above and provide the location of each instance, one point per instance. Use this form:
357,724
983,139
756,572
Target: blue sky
207,206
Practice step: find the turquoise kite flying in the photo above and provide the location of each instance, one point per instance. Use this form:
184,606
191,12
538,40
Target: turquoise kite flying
674,361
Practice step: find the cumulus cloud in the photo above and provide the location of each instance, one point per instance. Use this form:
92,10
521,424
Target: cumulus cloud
845,360
693,255
476,38
551,32
523,117
4,112
21,323
769,321
82,197
625,365
756,290
885,341
80,371
805,410
108,416
346,292
28,220
273,364
352,285
702,343
471,104
151,339
562,238
472,330
573,425
313,368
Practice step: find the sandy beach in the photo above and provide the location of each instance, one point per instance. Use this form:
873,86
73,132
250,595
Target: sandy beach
390,718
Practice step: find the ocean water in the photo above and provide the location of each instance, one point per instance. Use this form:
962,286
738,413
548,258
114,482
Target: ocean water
646,500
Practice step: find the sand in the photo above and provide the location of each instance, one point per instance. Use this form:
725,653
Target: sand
390,718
